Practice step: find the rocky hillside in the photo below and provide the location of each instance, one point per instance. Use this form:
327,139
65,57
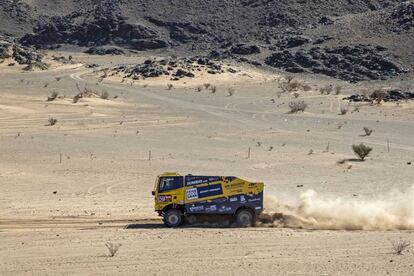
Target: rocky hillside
255,31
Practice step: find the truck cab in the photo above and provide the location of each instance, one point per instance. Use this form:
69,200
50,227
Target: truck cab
179,196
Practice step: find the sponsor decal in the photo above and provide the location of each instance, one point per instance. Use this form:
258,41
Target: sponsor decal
191,180
242,199
192,194
233,199
211,190
165,198
258,208
212,208
224,209
196,208
254,199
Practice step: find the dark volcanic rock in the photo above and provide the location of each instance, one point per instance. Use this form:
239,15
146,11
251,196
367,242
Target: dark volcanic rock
103,27
348,63
393,95
244,49
403,16
291,41
104,51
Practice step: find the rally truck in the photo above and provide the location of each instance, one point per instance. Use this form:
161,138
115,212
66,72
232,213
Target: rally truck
178,197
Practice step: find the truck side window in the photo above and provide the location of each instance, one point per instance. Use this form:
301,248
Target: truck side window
170,183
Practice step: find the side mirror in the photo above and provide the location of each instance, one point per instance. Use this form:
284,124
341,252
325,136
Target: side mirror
153,193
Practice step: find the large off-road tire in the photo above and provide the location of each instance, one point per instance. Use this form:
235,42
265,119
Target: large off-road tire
173,218
244,218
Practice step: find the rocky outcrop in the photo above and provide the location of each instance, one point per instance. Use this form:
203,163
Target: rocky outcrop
22,55
350,63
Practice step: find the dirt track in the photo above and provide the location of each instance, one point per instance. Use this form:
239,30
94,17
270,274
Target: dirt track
55,217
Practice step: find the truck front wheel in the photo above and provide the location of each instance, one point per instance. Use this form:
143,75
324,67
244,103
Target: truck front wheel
173,218
244,218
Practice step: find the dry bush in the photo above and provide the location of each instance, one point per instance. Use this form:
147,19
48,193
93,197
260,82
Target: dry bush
378,96
361,151
207,85
297,106
367,131
112,248
52,96
52,121
343,110
199,88
398,247
104,95
58,78
337,90
170,86
291,86
230,92
326,90
213,89
296,95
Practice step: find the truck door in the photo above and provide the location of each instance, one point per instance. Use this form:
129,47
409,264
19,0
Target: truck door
169,191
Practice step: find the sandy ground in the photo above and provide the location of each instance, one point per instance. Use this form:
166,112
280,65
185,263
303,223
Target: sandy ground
68,189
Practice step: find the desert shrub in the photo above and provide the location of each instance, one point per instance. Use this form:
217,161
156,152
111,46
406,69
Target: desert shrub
230,92
199,88
297,106
58,78
52,121
343,110
213,89
398,247
296,95
337,90
112,248
170,86
104,95
378,96
207,85
326,90
361,151
367,131
52,96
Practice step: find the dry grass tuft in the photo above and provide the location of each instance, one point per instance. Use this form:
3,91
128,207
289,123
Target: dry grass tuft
398,247
112,248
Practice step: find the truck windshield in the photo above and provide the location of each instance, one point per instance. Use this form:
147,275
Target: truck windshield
170,183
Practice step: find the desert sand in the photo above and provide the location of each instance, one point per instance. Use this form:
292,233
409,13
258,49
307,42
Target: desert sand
68,189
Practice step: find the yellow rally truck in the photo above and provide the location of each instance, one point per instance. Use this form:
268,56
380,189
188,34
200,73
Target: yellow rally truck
177,197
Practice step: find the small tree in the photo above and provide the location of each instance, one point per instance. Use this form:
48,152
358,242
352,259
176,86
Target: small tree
361,151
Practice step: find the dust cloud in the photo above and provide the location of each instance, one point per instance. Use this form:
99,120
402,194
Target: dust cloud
391,211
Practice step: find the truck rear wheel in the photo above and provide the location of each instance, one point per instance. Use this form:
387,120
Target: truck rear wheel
173,218
244,218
